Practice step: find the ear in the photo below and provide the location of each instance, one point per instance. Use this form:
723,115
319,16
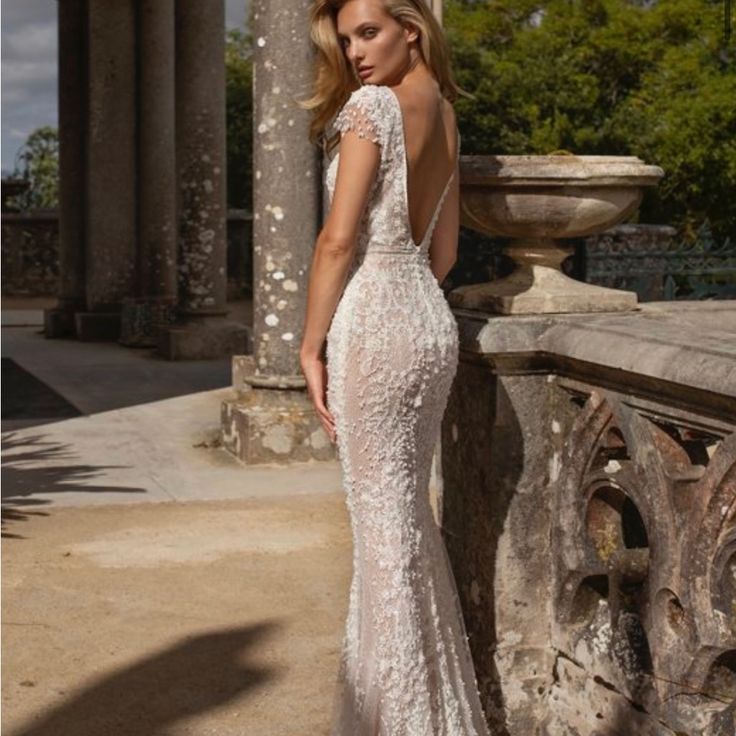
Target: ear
411,33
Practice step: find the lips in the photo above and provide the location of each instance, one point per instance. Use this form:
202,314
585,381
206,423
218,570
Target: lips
365,71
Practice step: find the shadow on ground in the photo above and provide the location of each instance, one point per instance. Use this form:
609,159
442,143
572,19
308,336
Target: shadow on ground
146,698
26,398
22,478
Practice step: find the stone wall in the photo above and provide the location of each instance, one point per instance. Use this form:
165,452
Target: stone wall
30,254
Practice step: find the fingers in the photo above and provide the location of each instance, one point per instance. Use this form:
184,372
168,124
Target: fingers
315,374
327,419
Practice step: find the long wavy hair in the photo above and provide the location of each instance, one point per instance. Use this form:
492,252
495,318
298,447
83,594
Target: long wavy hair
335,78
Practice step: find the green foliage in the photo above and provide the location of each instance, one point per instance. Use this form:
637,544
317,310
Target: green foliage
606,77
239,78
37,162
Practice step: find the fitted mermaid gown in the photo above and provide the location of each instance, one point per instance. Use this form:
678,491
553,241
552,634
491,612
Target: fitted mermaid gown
392,353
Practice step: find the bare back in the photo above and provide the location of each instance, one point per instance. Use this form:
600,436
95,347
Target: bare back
431,150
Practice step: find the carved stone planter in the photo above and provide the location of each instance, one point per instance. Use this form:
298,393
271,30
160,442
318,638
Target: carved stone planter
539,201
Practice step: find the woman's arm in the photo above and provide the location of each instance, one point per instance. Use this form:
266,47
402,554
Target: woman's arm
335,247
333,253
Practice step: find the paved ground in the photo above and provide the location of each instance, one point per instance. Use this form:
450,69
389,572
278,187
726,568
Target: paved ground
151,583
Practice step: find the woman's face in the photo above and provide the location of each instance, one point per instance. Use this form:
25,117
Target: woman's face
371,38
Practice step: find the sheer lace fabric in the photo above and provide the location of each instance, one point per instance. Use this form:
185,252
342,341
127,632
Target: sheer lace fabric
392,352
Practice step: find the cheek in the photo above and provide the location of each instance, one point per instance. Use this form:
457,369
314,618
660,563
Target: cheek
388,49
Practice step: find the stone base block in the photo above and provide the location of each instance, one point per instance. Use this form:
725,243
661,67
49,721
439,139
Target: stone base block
540,289
59,322
203,339
274,426
97,326
242,367
142,318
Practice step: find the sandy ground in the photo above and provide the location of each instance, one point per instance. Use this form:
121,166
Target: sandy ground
191,618
151,584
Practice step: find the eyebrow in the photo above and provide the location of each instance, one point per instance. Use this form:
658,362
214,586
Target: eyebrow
358,28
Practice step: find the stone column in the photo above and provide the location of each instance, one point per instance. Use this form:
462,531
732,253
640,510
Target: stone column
72,90
154,302
200,149
273,420
111,168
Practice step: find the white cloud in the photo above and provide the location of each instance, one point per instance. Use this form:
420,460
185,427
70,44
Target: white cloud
32,40
29,71
236,12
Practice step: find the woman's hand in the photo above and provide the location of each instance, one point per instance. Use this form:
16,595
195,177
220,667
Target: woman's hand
315,373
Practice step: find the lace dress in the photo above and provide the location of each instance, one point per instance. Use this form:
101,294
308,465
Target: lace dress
392,352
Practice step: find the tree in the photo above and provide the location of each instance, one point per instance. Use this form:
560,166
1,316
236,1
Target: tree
615,77
37,161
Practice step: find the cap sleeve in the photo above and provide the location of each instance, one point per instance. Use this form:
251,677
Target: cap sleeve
365,112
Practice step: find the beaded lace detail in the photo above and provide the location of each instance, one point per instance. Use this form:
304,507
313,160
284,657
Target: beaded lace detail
392,353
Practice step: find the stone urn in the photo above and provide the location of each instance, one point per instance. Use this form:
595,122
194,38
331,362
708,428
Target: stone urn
539,201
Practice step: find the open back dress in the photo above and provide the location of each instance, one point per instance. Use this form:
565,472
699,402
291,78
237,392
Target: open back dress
392,353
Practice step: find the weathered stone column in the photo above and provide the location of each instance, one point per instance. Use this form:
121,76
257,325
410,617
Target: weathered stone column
72,90
273,420
200,149
155,299
111,164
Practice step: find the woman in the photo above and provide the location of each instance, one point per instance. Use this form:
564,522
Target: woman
375,304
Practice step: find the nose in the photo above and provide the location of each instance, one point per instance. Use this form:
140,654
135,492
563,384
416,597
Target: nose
355,56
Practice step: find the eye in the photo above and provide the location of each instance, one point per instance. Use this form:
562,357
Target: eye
372,31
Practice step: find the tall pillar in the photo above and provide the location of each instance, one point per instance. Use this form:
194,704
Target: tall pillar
154,302
111,168
272,420
72,91
201,161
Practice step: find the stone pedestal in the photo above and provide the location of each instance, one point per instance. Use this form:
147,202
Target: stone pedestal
203,339
97,326
143,318
264,425
538,286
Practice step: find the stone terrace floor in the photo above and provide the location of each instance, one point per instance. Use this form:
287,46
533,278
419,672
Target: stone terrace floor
151,583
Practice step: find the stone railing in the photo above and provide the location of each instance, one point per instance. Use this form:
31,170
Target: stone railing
588,504
30,253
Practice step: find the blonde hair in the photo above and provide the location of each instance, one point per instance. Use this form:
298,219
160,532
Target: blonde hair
334,76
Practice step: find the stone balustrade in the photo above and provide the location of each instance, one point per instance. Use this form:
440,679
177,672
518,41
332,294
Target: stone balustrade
588,504
30,253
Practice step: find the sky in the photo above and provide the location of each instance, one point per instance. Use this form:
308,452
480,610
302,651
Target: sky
29,68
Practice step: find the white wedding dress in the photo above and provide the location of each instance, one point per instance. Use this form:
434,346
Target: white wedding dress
392,352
